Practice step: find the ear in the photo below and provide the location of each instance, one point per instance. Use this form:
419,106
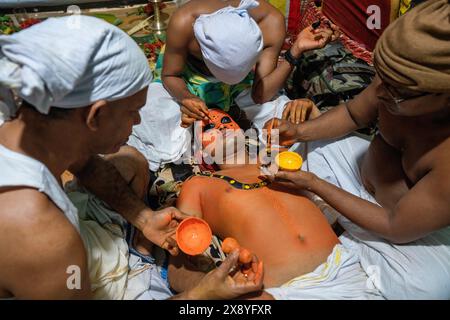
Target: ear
92,118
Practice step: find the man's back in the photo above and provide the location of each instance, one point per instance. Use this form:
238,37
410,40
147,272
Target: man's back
286,231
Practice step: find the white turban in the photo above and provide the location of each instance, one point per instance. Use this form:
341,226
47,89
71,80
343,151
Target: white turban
69,62
230,41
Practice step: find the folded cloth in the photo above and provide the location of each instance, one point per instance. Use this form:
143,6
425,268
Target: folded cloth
417,270
116,270
230,41
70,62
413,51
340,277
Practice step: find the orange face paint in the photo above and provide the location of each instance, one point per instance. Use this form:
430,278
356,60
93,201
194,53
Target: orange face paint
193,236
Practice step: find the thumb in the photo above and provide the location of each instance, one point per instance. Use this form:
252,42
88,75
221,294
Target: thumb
228,264
178,215
283,175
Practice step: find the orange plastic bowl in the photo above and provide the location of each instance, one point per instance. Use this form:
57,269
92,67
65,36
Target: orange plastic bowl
193,236
289,161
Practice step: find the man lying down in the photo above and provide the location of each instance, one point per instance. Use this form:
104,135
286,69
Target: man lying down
302,256
68,93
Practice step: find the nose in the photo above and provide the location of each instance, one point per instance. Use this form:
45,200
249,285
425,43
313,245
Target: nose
137,119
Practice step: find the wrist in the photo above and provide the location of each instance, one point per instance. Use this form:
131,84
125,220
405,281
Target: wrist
296,52
142,218
314,183
292,57
300,132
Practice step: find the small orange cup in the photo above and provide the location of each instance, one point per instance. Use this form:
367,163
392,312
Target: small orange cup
193,236
289,161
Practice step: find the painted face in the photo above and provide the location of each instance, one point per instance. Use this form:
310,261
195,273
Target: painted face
219,122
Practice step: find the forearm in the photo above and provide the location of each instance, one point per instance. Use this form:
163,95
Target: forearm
177,87
361,212
332,124
103,180
266,88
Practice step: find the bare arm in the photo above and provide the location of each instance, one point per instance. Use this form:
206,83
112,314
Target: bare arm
43,256
103,179
422,210
345,118
179,33
269,76
335,123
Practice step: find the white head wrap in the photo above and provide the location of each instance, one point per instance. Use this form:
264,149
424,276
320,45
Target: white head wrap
69,63
230,41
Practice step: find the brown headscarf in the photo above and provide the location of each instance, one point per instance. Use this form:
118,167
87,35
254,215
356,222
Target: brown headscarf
414,51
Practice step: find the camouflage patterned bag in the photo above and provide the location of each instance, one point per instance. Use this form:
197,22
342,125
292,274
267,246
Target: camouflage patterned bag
331,72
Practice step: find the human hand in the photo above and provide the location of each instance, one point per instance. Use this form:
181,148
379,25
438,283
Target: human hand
288,132
228,281
310,38
293,180
192,109
160,228
299,110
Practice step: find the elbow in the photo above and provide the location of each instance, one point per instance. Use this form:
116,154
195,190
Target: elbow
397,235
260,98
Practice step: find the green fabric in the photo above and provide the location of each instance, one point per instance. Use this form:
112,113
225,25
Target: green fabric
215,94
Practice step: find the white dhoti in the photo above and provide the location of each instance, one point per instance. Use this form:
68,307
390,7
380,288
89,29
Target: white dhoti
161,139
340,277
417,270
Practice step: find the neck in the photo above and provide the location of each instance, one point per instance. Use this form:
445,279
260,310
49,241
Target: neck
49,144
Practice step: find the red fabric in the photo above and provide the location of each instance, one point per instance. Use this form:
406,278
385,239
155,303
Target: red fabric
311,14
294,15
351,16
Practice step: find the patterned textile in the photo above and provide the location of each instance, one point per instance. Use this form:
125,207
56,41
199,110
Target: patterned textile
406,5
311,13
214,93
332,70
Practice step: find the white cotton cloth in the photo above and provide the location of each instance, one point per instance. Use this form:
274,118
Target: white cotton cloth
417,270
69,62
115,272
161,139
230,41
340,277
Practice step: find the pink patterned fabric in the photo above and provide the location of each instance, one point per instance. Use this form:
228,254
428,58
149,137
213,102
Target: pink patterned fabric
311,14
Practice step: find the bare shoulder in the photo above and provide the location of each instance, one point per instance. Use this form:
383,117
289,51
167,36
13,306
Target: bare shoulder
193,185
38,245
442,166
271,22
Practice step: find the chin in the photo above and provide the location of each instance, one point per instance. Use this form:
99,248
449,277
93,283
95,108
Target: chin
113,149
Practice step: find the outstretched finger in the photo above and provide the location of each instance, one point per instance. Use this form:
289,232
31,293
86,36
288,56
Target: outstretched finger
204,108
229,264
170,244
298,114
191,114
178,215
286,111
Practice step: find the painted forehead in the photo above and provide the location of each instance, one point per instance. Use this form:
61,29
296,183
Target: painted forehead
219,120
